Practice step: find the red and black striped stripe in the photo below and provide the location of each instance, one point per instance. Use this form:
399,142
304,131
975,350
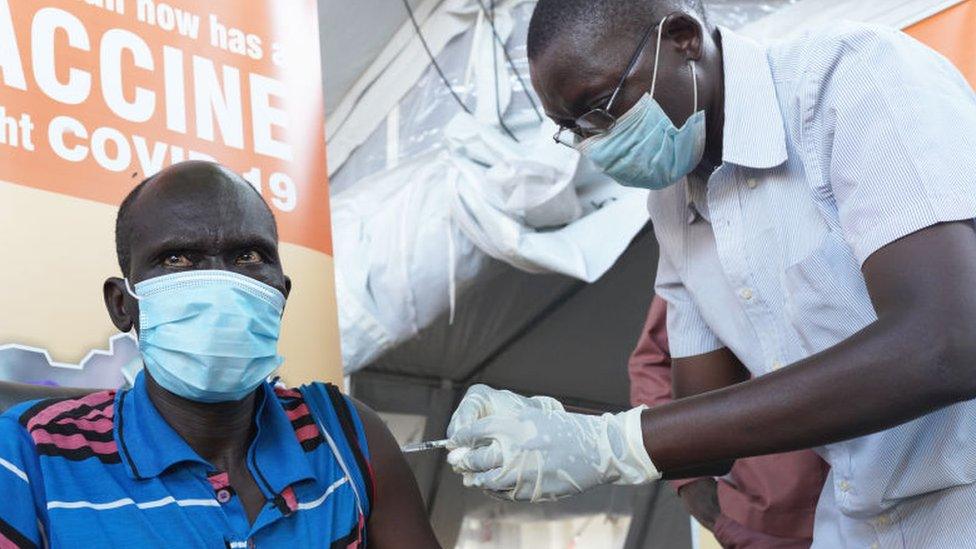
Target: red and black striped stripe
306,430
74,429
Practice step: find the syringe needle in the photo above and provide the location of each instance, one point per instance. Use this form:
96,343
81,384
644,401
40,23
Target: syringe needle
424,446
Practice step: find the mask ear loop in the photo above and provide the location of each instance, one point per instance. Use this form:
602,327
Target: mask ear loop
129,289
657,55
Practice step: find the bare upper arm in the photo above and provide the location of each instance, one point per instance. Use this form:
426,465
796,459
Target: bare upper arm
703,373
924,281
399,517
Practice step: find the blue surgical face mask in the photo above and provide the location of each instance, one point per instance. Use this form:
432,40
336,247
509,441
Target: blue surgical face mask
209,336
644,149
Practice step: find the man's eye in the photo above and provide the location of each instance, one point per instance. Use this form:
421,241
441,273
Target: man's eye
249,257
177,260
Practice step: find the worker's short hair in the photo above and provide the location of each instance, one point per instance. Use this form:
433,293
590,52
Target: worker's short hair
554,18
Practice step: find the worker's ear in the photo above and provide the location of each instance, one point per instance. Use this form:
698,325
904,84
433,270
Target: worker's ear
122,308
686,33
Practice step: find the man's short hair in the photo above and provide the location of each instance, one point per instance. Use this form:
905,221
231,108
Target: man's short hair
553,18
123,227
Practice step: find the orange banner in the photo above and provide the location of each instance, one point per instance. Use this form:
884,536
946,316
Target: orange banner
953,34
95,95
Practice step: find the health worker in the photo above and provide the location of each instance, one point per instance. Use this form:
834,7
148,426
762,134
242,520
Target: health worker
814,201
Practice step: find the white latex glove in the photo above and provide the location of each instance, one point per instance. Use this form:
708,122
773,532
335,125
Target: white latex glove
543,455
482,401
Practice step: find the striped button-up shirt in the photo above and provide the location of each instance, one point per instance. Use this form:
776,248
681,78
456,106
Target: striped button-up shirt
835,145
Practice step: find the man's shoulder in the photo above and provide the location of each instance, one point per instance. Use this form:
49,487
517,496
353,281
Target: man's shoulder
817,51
345,414
850,33
73,428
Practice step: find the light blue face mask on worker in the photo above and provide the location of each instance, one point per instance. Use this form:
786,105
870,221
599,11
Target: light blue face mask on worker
209,336
644,149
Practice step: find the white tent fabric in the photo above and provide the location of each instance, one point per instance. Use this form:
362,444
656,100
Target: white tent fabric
409,236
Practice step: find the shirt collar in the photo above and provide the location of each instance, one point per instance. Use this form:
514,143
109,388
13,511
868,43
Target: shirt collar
149,445
753,135
279,458
146,442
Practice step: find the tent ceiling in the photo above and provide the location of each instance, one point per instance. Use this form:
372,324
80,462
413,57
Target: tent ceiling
353,34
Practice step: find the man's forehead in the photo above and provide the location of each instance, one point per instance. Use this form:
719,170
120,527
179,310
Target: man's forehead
196,206
573,70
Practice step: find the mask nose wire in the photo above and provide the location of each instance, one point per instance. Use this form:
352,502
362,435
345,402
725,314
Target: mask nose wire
657,55
129,289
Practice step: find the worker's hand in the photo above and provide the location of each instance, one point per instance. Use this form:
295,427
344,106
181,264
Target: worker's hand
542,455
482,401
701,501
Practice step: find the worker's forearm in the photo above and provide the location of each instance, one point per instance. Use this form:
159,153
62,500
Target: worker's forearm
889,373
717,469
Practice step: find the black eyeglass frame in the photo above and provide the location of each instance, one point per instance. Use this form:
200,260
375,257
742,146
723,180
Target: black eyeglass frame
599,121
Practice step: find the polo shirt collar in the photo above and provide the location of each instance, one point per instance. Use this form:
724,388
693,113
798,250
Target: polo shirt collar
279,458
150,447
753,135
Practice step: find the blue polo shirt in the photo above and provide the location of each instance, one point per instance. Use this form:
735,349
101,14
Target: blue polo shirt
107,470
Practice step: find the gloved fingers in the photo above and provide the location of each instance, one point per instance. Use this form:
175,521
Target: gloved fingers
478,480
547,403
530,482
474,460
455,456
483,431
560,485
500,496
505,479
492,481
473,407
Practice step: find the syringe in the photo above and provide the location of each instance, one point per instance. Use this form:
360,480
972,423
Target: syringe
425,446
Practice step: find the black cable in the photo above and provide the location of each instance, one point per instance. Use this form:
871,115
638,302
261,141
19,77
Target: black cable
433,61
508,58
498,93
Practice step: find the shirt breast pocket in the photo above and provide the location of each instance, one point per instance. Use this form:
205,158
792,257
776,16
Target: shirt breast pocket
825,295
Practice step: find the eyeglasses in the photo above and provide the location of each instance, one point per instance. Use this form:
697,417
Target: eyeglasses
599,121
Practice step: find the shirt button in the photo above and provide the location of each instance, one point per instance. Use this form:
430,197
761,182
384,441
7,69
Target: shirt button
883,520
875,546
752,183
844,486
777,365
745,293
223,496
